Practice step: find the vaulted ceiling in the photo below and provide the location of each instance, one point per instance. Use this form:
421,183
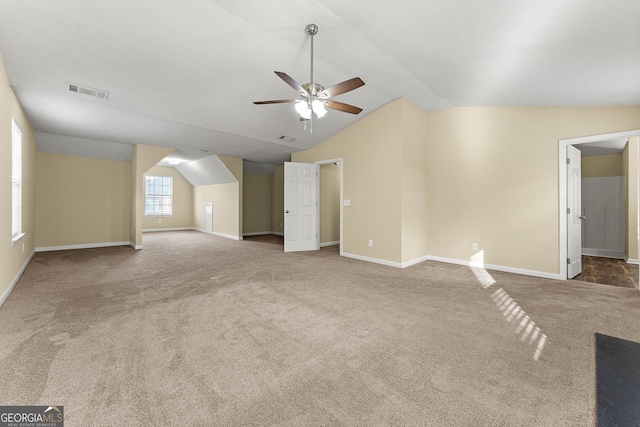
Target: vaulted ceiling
183,74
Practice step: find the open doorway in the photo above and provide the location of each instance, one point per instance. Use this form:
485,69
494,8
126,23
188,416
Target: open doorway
313,205
612,199
330,203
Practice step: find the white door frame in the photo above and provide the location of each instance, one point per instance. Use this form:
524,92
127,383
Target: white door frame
562,179
340,163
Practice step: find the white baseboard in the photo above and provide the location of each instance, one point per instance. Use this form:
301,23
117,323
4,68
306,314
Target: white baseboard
633,261
83,246
322,245
202,230
415,261
134,246
603,253
226,236
522,271
452,261
374,260
6,293
153,230
387,262
277,233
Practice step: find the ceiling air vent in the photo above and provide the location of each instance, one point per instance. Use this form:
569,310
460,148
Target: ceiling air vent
96,93
287,138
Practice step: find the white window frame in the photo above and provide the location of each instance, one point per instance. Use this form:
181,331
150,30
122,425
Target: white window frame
147,195
16,183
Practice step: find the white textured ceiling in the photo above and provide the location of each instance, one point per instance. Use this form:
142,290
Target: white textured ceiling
205,171
602,148
184,74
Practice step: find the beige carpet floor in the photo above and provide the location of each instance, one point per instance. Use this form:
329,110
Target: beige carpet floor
199,330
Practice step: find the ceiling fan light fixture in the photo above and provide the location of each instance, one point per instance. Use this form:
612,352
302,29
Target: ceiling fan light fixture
315,98
303,108
306,114
318,108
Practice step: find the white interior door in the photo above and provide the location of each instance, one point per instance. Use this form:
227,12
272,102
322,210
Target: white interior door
300,207
208,217
574,213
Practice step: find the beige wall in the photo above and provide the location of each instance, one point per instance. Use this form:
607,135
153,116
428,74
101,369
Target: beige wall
182,202
81,200
14,257
257,197
277,200
143,158
226,214
329,203
630,171
384,177
493,179
236,167
371,150
485,175
226,200
415,183
601,166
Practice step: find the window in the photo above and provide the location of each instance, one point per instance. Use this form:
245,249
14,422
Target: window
158,195
16,183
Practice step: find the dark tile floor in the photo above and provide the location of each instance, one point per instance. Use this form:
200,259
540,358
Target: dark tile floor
608,271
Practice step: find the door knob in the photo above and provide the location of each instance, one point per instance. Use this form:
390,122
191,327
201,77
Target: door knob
583,217
287,211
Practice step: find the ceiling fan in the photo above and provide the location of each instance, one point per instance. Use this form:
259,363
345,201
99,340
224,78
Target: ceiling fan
314,96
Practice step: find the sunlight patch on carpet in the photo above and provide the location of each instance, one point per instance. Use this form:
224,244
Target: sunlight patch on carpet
513,313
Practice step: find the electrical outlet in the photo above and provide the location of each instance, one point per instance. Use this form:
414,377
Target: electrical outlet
474,246
370,243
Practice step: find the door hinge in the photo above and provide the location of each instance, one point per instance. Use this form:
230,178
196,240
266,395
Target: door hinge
568,260
568,211
568,161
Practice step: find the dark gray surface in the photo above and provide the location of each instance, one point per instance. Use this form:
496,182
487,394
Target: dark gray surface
618,381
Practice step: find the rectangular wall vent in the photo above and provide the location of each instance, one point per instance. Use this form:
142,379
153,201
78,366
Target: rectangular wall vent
96,93
287,138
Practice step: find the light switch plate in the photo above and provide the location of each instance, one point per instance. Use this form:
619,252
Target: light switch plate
347,202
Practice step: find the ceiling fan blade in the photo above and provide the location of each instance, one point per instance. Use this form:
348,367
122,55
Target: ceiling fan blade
294,84
275,101
340,106
340,88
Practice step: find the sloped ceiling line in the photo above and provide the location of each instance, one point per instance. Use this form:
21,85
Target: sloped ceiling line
207,171
184,74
